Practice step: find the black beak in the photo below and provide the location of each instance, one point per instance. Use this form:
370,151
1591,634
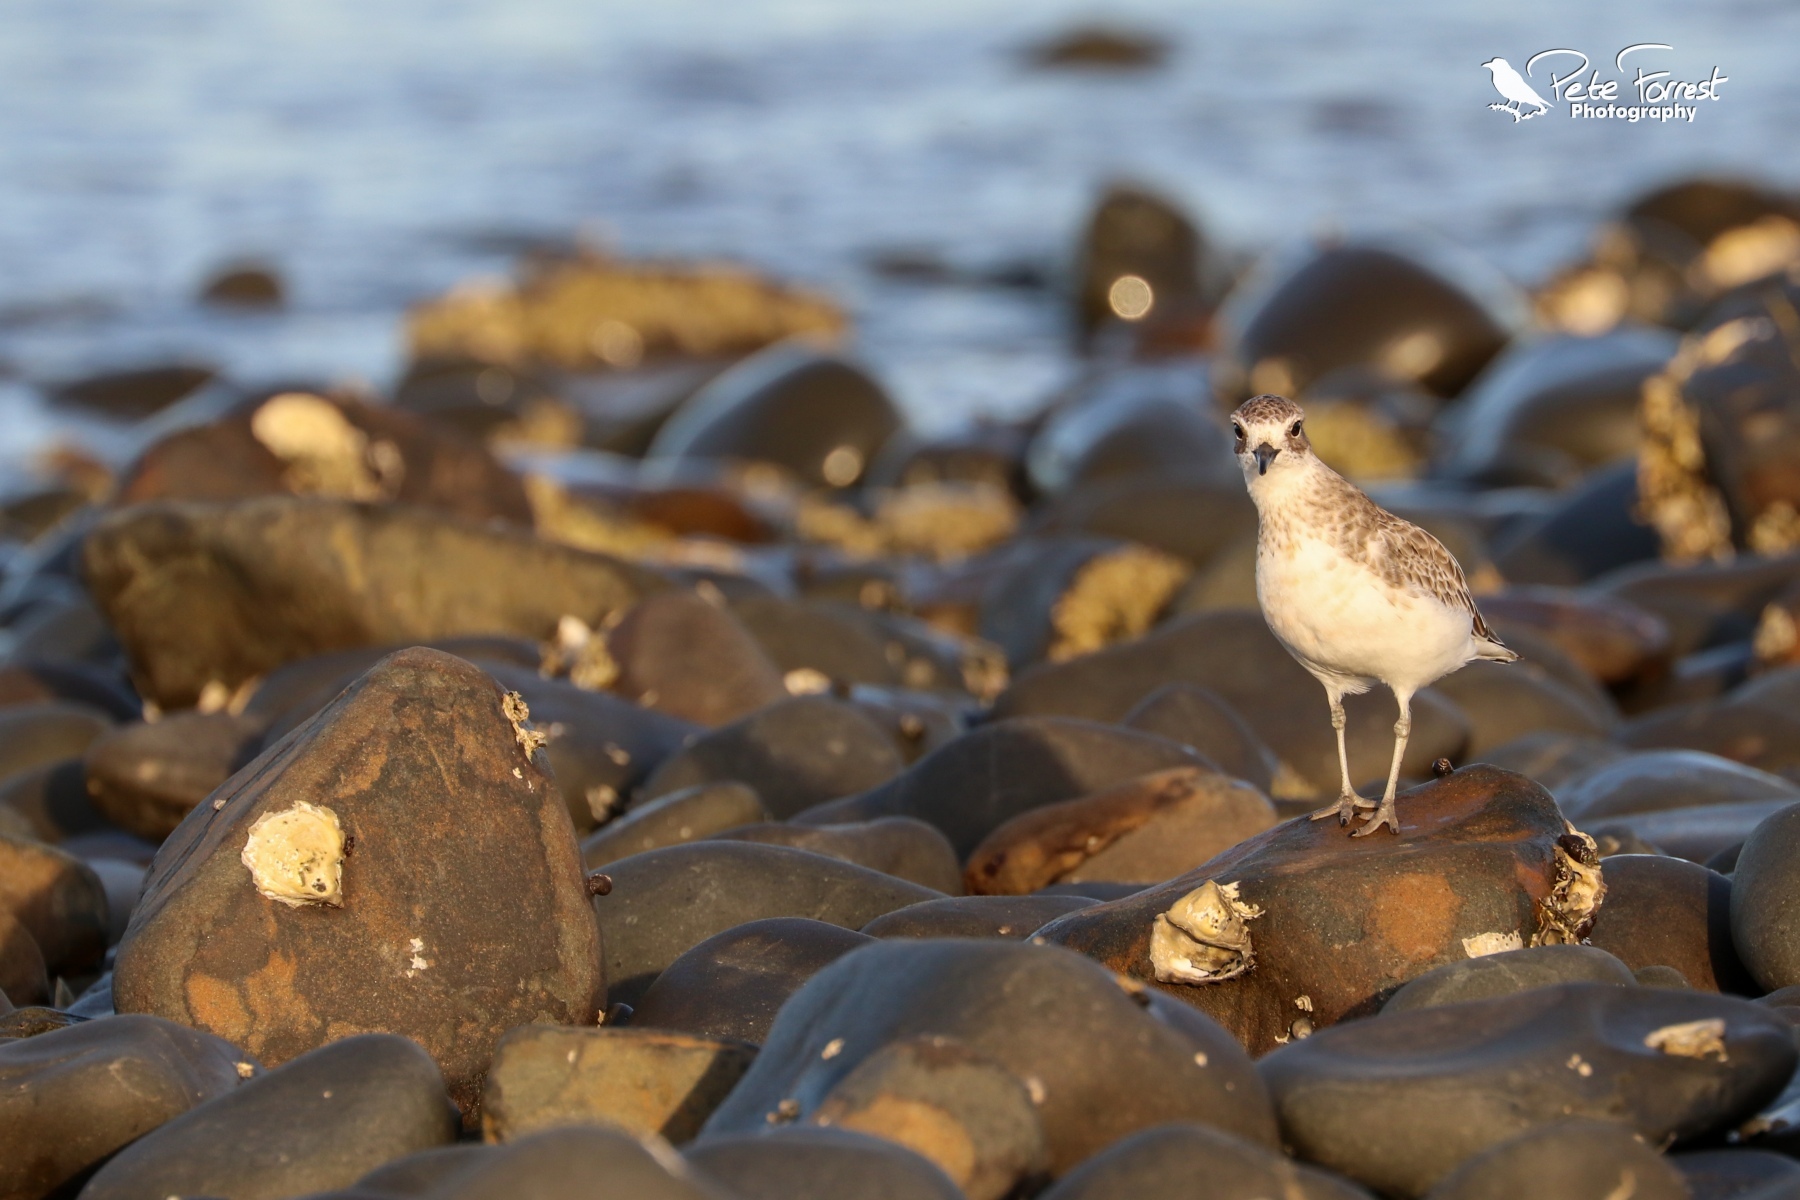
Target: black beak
1265,454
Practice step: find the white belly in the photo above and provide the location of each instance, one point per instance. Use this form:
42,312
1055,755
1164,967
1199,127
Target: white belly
1346,626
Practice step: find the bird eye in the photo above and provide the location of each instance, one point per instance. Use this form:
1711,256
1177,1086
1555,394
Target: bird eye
1295,431
1237,431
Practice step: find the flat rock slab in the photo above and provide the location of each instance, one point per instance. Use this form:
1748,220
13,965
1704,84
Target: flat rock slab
1139,1060
1400,1101
647,1081
666,901
1483,862
200,593
71,1097
462,907
318,1123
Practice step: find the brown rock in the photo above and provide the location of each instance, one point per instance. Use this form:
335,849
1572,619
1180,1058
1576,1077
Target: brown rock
1016,917
22,976
460,910
647,1081
685,816
1145,831
683,655
1667,912
146,777
1199,718
200,593
903,847
1326,925
1613,639
58,898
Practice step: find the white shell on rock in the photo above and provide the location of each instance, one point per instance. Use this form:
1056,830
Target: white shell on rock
1204,938
1484,944
296,856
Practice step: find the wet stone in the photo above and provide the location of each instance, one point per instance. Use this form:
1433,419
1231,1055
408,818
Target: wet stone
71,1097
674,819
812,1163
1167,1159
1016,917
317,1123
560,1163
1663,911
1483,862
1658,780
796,753
1508,972
903,847
681,654
1727,1174
731,985
59,901
203,593
1138,1064
1145,831
146,777
348,881
1579,1160
1699,834
1200,719
973,785
665,902
1400,1102
645,1081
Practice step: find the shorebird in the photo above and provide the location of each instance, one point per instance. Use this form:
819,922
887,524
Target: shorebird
1356,594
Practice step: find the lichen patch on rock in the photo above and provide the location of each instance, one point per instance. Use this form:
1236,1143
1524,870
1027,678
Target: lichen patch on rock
1204,937
530,740
296,856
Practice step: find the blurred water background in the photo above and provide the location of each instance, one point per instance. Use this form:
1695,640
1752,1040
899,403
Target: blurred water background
377,151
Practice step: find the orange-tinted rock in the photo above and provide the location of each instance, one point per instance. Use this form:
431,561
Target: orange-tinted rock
461,909
1145,831
1334,923
58,898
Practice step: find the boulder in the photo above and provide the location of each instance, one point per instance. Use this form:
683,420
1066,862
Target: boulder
731,985
1054,598
796,753
26,683
665,902
1662,911
59,901
673,820
317,1123
1592,530
1016,917
1234,654
1759,736
35,735
1554,760
681,654
1509,972
1144,831
1199,719
1765,901
346,881
560,1163
23,978
645,1081
899,846
821,417
218,593
1010,1004
1724,1174
973,785
1699,834
1505,701
1658,780
811,1163
72,1097
1167,1160
145,777
1614,640
1483,862
1132,232
1581,1160
1400,1102
1132,421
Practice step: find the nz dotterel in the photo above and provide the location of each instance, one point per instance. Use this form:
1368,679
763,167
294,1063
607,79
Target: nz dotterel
1356,594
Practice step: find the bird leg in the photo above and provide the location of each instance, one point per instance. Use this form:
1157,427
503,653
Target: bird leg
1402,730
1348,801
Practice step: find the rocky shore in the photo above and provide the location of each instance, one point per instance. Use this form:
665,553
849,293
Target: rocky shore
627,760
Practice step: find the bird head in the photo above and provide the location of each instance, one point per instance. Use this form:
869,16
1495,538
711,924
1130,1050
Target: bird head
1494,64
1271,436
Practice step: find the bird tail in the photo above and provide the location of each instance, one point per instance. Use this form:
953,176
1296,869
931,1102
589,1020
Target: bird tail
1489,648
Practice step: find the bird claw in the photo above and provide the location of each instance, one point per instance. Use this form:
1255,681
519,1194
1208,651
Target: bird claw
1384,815
1343,810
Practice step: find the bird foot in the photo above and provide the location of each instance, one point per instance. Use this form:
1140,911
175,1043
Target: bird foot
1344,809
1384,815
